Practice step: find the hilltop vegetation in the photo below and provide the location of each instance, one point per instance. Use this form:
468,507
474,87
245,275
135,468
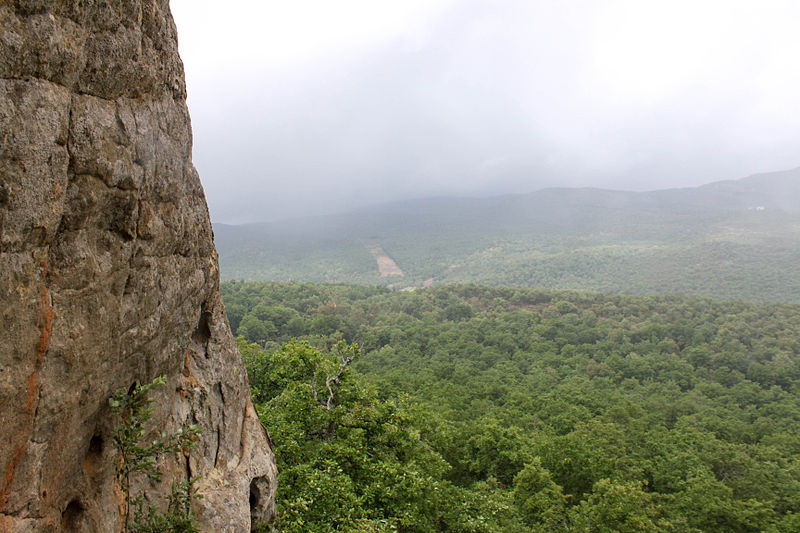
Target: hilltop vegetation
494,409
735,239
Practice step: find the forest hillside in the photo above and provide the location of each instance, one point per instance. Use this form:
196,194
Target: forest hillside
468,408
728,239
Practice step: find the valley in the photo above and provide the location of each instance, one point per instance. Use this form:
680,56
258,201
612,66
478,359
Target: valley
566,360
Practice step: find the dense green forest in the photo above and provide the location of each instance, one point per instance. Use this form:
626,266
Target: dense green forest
737,239
467,408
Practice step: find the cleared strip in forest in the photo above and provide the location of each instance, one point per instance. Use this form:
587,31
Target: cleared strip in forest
386,265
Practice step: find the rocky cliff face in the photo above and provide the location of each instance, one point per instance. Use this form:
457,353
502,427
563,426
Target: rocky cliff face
108,273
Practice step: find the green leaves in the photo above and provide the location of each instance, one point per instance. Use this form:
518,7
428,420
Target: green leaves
132,410
347,459
618,507
540,501
535,410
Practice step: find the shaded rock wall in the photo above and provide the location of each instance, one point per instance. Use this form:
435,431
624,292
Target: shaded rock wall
108,272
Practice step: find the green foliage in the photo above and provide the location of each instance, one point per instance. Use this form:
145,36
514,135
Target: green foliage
536,410
132,410
618,507
178,517
349,460
540,501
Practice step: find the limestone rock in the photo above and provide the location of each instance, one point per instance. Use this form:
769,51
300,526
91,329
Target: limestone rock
108,272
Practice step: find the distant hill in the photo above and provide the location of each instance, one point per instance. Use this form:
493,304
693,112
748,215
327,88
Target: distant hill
728,239
775,190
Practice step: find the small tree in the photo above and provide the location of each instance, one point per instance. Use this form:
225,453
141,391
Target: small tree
133,410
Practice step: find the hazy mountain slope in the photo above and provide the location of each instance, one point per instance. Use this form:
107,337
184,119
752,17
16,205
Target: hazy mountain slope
729,239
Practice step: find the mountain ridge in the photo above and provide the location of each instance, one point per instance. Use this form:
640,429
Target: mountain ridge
787,197
726,239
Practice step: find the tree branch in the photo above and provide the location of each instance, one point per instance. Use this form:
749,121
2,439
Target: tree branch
331,403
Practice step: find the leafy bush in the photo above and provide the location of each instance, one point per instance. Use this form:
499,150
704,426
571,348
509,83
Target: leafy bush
132,410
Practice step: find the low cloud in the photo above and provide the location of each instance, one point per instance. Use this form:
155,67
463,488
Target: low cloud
479,97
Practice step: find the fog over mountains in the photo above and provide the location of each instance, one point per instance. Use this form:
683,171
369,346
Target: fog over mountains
774,191
313,107
727,239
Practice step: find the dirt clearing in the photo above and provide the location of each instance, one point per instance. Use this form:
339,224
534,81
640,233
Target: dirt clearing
386,265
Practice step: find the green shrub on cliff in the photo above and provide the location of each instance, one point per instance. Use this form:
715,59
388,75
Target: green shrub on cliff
132,411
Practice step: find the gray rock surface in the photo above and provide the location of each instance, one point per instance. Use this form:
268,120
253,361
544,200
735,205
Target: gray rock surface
108,273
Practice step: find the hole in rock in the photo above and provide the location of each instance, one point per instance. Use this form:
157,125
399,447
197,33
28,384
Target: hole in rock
95,446
203,331
259,493
255,494
94,455
72,517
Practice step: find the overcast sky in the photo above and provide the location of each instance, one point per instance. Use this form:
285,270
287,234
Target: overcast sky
314,106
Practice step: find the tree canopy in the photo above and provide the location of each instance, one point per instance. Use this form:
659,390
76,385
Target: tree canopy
495,409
